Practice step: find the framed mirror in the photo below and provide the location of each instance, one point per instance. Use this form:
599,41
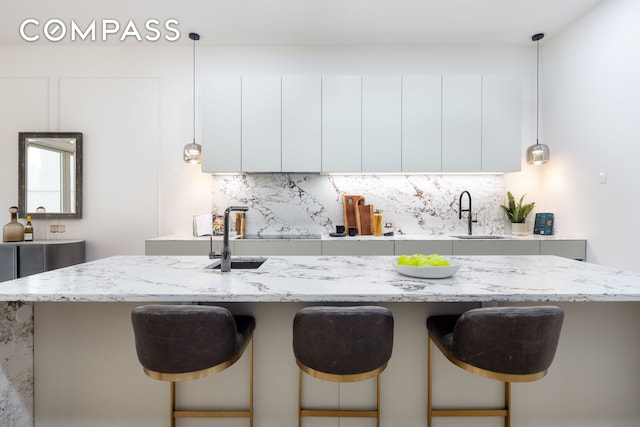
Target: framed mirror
50,174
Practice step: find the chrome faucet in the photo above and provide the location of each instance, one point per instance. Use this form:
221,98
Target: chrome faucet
225,264
460,210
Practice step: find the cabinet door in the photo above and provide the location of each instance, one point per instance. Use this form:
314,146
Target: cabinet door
381,123
461,124
184,247
8,262
501,124
357,247
30,260
496,247
221,144
421,123
301,123
341,123
408,247
277,247
261,124
574,249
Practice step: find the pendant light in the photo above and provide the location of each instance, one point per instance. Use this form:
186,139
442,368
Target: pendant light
193,151
538,153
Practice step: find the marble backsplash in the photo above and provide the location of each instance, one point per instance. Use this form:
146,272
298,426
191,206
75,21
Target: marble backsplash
312,203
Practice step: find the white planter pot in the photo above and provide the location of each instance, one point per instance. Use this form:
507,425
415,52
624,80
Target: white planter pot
519,228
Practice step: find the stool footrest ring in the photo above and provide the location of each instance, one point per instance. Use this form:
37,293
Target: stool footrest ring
245,413
355,413
469,412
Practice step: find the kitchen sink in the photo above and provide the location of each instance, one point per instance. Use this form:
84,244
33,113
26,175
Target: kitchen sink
240,263
479,237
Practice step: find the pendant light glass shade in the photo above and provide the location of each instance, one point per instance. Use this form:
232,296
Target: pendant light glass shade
538,153
193,152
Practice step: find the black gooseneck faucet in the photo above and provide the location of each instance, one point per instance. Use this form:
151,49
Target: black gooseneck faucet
460,210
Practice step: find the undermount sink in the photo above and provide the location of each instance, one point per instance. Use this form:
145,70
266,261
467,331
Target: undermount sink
479,237
240,263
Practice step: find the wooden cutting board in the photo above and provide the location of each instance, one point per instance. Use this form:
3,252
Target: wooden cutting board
364,218
349,204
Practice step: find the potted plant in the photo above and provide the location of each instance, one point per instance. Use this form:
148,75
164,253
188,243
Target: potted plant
517,213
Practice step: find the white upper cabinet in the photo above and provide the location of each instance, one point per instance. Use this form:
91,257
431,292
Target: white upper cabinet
461,123
261,124
351,124
421,123
301,123
221,129
381,123
501,124
341,123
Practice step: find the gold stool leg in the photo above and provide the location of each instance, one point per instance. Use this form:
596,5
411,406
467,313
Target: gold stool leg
251,383
429,383
299,397
507,403
378,402
173,404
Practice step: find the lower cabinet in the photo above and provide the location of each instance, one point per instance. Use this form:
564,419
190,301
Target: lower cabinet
24,259
8,262
357,247
574,249
185,247
409,247
277,247
496,247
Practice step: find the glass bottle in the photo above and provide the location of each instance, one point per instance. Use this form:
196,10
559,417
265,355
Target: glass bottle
13,231
28,230
377,223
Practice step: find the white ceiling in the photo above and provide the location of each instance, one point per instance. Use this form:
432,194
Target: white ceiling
316,22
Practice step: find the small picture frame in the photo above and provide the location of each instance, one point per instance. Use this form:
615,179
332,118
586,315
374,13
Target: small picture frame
543,224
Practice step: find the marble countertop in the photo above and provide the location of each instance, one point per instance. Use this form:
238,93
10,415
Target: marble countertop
42,242
326,279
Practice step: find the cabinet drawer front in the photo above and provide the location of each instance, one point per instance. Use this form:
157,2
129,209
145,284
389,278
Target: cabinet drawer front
496,247
574,249
357,247
426,247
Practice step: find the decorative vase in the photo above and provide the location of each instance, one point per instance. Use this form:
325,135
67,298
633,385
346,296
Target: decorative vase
13,231
519,228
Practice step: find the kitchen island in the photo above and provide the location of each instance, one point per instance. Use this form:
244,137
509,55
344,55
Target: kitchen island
86,371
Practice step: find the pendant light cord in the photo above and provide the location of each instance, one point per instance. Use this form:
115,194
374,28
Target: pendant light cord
194,90
537,90
536,38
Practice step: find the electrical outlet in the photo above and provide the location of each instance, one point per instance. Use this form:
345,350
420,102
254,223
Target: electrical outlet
602,176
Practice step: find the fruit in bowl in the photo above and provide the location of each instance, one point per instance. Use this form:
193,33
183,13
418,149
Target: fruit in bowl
421,260
431,266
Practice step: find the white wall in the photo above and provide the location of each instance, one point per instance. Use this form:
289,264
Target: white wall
134,105
590,102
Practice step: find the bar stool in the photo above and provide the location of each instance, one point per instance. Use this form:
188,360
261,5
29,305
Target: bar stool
508,344
342,344
185,342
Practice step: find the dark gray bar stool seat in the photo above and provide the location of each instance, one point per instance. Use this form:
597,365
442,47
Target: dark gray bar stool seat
186,342
508,344
342,344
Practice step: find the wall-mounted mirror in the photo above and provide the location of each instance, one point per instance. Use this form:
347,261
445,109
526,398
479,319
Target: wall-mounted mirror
50,174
